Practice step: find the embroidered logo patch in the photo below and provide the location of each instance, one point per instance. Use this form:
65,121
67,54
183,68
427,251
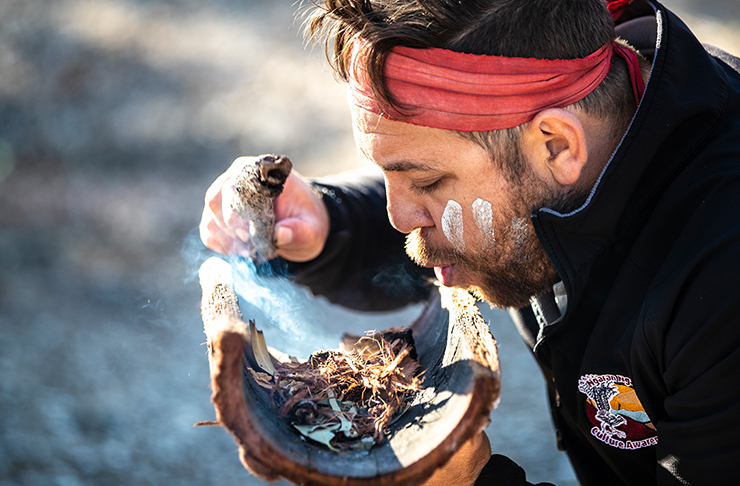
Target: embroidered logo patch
616,413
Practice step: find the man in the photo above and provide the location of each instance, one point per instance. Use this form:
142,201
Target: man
550,170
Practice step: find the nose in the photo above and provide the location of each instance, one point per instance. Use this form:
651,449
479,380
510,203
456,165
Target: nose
405,211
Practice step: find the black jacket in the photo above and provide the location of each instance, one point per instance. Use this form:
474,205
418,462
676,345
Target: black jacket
643,367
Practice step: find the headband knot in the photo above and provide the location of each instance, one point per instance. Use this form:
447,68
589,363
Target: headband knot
617,8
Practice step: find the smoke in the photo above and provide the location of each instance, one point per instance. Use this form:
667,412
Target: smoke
404,282
289,315
292,319
193,254
295,321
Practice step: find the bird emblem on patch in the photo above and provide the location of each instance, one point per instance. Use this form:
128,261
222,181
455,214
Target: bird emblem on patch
617,416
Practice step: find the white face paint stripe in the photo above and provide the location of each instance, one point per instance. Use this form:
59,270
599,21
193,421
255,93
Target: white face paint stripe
452,224
483,217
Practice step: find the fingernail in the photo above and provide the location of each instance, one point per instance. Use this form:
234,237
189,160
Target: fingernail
243,235
283,236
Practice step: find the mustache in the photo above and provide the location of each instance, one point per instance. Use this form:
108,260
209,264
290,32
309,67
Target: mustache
423,252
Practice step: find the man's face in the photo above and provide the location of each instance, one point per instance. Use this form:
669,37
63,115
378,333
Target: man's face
461,215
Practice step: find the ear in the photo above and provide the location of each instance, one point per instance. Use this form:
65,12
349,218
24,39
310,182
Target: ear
556,140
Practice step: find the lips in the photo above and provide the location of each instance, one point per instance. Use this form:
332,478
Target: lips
444,275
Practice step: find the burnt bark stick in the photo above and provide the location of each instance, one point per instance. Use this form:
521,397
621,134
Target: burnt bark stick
456,353
260,181
220,305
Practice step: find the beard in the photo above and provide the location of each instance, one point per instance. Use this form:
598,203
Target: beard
515,268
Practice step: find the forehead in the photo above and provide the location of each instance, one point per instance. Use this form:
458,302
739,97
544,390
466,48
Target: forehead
394,145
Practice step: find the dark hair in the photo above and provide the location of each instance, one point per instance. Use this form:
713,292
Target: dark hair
544,29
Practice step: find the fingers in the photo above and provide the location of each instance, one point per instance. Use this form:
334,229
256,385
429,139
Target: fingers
233,224
221,229
465,465
215,238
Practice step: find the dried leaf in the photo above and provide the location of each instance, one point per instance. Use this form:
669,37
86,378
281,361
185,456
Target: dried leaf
346,425
319,433
262,379
259,348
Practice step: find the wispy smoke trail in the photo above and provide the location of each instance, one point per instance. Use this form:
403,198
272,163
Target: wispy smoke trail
292,319
286,312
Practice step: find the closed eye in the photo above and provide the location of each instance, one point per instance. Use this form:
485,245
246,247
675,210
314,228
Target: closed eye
426,188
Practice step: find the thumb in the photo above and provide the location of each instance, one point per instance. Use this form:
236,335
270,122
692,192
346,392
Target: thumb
283,235
297,240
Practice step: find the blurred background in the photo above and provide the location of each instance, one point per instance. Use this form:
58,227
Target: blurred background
115,116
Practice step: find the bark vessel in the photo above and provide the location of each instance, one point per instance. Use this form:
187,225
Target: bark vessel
457,355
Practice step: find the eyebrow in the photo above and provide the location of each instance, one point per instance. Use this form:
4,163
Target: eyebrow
404,166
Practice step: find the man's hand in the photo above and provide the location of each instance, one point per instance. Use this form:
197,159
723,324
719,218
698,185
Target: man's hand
301,219
465,466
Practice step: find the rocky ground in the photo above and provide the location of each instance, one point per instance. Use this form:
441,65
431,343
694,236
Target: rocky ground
115,116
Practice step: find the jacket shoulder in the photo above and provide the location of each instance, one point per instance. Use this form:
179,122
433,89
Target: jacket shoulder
724,56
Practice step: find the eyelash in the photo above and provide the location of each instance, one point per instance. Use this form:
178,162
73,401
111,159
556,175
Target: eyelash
429,188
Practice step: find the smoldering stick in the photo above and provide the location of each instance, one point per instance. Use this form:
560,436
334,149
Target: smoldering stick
257,185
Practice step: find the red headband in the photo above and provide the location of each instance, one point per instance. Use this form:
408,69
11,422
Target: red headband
467,92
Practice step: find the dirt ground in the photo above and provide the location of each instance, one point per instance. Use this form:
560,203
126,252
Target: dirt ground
115,116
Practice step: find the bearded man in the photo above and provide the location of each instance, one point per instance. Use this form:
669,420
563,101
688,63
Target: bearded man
588,186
